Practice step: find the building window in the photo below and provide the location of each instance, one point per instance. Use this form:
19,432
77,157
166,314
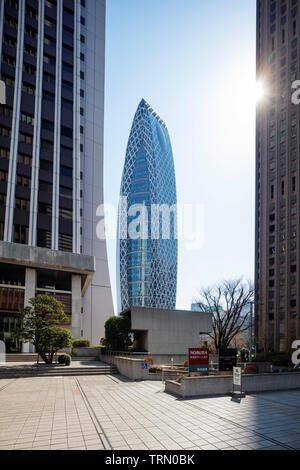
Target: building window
21,234
65,242
24,181
24,159
27,119
26,139
23,204
5,131
294,268
66,214
28,89
43,239
4,153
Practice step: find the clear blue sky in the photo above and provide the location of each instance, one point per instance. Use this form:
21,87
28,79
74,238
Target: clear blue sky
194,62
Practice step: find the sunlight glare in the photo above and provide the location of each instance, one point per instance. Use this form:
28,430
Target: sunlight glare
260,91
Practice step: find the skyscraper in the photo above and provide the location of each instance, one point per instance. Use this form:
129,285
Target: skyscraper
51,158
147,260
277,254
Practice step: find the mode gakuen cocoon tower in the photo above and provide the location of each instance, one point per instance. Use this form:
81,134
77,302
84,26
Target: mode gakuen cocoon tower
147,261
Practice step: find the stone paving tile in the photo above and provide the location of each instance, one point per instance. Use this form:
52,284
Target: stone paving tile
209,447
48,413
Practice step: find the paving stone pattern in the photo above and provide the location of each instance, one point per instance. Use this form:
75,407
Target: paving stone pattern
110,412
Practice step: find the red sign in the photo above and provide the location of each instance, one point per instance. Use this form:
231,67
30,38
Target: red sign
198,356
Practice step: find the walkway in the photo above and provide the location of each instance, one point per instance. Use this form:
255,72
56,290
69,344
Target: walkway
108,412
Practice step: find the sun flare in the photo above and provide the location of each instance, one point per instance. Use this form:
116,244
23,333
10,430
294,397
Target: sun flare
260,91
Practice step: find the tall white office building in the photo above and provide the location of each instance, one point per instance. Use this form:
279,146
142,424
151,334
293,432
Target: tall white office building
52,62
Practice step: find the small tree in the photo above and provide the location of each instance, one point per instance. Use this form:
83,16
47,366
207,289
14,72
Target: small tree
117,333
230,306
38,324
54,338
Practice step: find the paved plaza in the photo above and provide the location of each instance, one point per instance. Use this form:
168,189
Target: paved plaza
110,412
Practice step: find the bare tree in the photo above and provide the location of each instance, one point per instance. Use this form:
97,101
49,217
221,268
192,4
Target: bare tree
229,303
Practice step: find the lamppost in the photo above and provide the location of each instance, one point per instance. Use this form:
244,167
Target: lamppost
252,303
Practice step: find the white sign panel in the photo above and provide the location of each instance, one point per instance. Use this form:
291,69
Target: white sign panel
237,376
2,92
2,353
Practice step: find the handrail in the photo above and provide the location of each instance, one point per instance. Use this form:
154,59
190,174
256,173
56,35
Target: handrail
124,353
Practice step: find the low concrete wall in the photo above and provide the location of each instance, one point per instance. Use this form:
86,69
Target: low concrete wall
159,359
128,367
132,368
215,385
174,388
85,352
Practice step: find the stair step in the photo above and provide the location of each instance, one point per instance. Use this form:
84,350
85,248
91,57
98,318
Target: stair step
33,358
56,372
41,368
84,359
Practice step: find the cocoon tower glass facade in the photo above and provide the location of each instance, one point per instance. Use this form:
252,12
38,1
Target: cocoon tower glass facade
147,243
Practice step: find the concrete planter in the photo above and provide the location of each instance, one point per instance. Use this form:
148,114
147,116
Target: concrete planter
222,385
133,368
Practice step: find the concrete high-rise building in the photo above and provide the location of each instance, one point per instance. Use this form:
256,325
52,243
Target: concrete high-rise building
147,259
51,161
277,254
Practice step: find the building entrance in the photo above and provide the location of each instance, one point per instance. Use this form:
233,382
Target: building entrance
8,322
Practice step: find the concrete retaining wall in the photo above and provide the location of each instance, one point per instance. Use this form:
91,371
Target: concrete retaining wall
85,352
159,359
132,368
214,385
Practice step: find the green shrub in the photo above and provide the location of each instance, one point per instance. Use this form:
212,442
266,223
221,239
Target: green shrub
117,333
179,379
251,369
155,370
278,358
64,359
81,343
103,350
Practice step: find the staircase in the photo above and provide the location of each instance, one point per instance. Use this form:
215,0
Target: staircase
84,359
33,358
26,366
55,371
21,357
